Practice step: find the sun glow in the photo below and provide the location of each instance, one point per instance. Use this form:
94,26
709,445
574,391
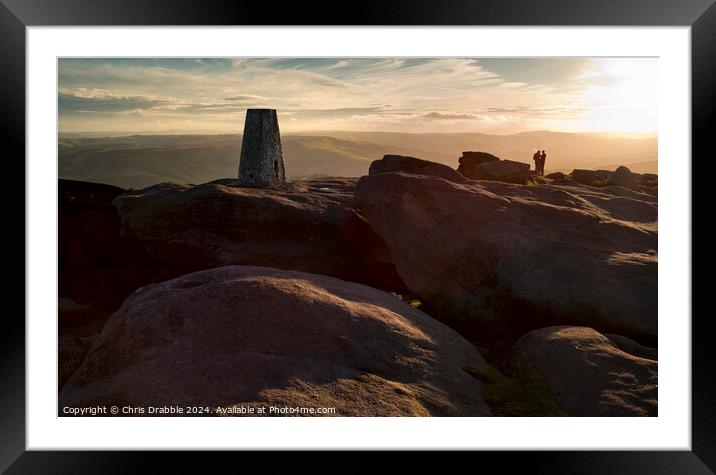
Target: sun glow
623,97
493,95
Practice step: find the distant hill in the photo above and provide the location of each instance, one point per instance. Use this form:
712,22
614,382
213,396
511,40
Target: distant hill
138,161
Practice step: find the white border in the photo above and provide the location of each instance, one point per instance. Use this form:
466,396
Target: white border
671,430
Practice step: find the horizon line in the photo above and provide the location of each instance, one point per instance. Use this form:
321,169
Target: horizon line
119,133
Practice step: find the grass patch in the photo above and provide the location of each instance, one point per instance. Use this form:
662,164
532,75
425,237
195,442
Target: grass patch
410,300
524,394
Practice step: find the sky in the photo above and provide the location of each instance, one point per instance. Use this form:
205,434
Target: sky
487,95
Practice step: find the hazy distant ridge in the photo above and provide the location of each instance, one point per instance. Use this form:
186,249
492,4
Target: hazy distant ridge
143,160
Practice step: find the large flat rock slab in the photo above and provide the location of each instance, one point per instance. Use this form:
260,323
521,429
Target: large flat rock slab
259,337
414,166
307,225
521,257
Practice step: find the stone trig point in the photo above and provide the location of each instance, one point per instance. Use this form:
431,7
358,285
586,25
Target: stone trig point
261,163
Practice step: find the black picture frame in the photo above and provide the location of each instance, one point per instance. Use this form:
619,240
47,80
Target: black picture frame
16,15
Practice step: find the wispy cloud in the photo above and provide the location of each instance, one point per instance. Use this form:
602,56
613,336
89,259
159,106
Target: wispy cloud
450,115
247,99
400,94
97,100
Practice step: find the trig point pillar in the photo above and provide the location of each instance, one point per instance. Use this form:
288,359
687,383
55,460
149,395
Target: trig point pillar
261,163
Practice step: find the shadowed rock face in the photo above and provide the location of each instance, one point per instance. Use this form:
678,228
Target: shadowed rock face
517,257
588,374
505,170
558,176
259,336
97,265
470,159
261,163
310,226
414,166
77,326
592,177
485,166
622,176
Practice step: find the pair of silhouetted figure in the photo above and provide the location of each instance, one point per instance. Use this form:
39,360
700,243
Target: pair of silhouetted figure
539,157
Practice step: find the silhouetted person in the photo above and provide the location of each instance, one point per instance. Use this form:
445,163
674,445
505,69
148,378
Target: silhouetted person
537,157
543,158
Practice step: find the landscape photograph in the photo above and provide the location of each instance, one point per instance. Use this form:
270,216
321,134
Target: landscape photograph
352,237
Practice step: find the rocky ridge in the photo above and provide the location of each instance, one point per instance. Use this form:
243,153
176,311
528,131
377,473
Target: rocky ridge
490,249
